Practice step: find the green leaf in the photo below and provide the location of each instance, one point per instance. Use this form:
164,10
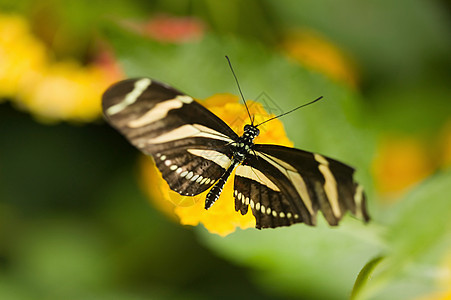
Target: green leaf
419,238
364,276
312,262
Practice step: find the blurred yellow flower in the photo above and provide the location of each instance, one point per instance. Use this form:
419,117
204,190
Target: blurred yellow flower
221,218
52,91
314,51
21,55
66,91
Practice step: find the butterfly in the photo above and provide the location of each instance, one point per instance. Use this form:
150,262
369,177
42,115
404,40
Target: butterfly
195,151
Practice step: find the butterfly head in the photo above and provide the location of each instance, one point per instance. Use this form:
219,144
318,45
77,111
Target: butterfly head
251,132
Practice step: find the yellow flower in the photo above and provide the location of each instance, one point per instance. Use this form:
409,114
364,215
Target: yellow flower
52,91
314,51
66,91
221,218
21,55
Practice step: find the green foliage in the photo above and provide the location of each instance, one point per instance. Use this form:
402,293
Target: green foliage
73,223
322,262
364,276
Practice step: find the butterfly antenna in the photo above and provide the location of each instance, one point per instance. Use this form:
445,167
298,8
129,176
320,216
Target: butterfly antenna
239,88
317,99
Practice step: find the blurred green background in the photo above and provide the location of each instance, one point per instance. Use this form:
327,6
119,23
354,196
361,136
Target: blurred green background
74,221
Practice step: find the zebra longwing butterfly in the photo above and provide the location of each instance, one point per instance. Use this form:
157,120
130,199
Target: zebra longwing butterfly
195,150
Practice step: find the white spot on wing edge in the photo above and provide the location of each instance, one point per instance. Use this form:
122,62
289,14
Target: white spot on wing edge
130,98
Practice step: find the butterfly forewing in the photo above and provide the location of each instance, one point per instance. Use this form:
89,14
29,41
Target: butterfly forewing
186,140
148,112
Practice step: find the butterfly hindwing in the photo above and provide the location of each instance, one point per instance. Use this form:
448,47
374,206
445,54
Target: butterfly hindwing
270,207
191,171
268,186
307,182
173,128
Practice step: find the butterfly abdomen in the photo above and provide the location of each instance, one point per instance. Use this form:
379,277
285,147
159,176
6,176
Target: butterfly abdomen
216,190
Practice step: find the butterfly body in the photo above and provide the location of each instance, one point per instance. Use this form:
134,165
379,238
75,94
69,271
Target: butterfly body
196,151
240,149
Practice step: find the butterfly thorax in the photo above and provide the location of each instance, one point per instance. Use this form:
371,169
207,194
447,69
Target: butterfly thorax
245,143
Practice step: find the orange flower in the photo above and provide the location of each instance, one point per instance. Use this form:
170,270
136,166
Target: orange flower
221,218
401,162
314,51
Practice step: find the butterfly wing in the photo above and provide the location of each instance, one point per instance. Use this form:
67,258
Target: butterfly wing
284,186
190,144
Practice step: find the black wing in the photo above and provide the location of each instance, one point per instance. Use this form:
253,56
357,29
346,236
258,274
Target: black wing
284,186
190,144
